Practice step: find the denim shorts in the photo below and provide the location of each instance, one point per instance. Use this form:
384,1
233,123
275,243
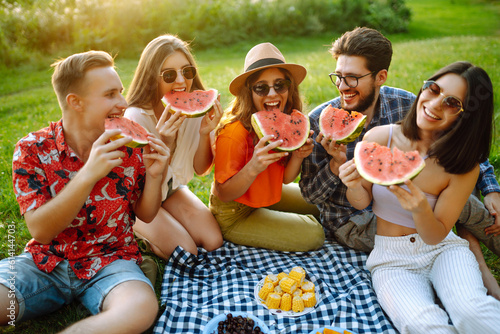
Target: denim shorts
38,292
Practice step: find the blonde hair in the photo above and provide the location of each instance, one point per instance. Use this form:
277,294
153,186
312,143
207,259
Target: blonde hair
144,89
69,72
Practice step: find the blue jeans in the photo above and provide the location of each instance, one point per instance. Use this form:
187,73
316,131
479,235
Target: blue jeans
38,292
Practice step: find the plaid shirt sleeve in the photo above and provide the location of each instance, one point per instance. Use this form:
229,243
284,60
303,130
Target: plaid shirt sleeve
487,182
317,181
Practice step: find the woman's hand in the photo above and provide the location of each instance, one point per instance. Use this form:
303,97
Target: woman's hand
306,149
168,125
358,193
262,155
349,175
212,118
156,155
413,200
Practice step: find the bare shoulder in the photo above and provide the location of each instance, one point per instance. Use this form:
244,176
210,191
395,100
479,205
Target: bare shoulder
380,134
466,179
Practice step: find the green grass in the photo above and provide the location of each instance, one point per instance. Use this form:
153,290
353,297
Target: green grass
441,32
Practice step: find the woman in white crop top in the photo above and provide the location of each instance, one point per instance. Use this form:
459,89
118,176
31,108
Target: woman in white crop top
416,255
167,64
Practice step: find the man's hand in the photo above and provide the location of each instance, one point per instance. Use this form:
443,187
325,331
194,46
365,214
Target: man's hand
492,203
104,155
338,152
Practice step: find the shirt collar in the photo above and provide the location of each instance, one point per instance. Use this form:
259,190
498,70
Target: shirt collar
62,146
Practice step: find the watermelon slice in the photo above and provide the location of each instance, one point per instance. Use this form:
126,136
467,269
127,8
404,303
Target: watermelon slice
293,129
194,104
377,164
129,129
341,125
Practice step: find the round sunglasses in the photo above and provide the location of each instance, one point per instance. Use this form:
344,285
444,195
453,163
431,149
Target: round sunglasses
450,103
280,87
169,76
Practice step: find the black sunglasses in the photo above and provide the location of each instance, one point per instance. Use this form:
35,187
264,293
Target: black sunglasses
280,87
169,76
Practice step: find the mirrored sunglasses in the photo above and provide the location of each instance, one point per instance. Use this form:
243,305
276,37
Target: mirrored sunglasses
169,76
450,103
280,87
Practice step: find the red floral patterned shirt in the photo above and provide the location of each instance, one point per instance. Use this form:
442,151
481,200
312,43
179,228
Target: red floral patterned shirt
102,231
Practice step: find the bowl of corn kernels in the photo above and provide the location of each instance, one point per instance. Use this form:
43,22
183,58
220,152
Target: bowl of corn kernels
287,293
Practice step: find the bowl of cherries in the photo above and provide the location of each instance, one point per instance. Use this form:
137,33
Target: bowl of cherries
236,323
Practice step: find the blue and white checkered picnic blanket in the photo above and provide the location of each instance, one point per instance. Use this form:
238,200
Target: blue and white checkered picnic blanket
195,289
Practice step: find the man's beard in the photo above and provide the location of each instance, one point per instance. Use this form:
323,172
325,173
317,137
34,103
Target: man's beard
363,104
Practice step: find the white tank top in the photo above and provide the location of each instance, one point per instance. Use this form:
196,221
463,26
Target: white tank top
386,204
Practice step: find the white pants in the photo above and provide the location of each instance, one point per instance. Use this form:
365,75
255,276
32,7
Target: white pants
406,272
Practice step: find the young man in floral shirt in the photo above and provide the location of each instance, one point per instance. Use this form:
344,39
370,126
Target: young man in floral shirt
79,193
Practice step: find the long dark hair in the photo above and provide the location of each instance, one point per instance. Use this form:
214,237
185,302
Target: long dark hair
467,142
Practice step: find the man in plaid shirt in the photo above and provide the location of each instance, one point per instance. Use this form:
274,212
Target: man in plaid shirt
363,58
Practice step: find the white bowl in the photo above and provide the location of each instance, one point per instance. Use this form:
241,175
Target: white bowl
211,326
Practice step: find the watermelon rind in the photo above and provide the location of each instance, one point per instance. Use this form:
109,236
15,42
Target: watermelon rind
359,161
190,113
350,137
259,130
355,134
136,142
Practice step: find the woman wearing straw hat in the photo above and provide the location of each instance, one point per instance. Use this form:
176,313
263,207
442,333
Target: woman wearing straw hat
248,198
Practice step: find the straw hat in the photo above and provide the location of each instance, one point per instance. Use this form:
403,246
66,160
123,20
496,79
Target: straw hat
263,56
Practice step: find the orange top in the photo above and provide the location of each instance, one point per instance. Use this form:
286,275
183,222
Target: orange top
234,149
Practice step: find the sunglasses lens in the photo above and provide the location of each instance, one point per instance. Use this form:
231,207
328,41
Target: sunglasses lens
452,103
189,72
432,87
261,89
281,86
169,76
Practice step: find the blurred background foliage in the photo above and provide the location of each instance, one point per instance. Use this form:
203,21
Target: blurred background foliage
31,28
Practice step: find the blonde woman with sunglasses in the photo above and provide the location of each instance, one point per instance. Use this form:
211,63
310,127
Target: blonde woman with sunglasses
249,199
416,255
166,64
